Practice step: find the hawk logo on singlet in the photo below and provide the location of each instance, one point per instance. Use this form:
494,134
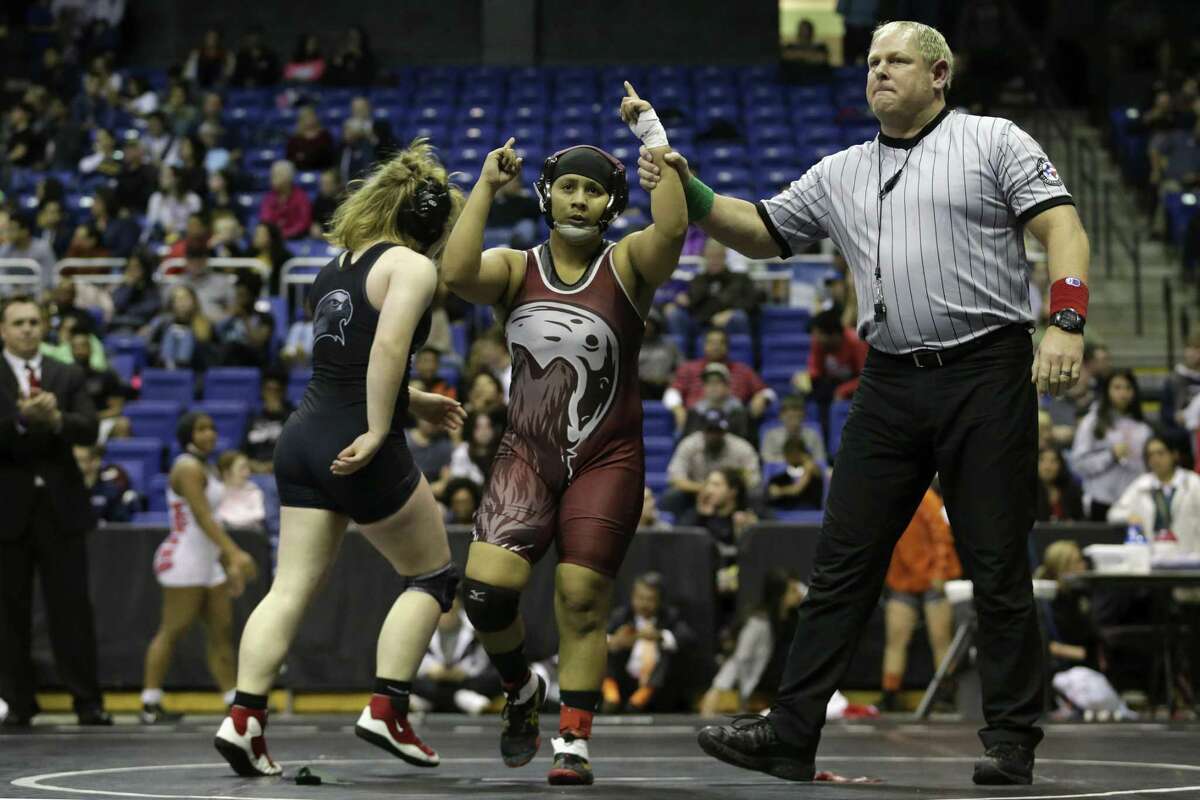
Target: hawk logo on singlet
570,357
333,313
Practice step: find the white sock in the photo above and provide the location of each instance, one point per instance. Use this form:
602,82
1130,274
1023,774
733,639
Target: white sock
527,691
578,747
228,696
152,697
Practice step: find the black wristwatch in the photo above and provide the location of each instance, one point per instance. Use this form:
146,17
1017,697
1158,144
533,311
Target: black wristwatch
1068,320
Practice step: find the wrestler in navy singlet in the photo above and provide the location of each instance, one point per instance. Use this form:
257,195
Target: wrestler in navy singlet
333,412
570,467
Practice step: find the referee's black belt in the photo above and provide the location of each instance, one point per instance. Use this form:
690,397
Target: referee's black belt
932,359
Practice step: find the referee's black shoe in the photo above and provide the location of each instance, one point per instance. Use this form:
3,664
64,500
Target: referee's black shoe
750,742
521,735
1005,764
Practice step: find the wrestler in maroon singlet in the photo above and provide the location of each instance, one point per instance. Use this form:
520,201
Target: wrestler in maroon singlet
572,456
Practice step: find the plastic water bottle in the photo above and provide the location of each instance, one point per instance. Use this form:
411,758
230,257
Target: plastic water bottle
1137,550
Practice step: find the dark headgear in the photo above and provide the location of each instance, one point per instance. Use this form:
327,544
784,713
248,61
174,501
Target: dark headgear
590,162
424,219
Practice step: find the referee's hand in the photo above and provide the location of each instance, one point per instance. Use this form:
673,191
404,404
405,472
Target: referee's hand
1058,361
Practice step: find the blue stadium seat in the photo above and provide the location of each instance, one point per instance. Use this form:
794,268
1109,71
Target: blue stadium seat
658,452
156,492
790,351
719,112
768,134
478,135
578,113
773,114
146,451
777,154
171,385
478,114
566,135
127,344
839,410
228,416
778,378
151,519
124,364
821,134
297,382
1180,208
459,338
784,321
725,175
657,419
720,155
153,419
798,516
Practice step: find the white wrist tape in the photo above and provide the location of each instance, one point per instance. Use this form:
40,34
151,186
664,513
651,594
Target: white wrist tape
649,130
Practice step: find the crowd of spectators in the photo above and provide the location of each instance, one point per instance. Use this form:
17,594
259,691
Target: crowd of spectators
99,164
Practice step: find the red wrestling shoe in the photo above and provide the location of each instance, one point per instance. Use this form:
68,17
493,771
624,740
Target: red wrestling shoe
379,725
241,741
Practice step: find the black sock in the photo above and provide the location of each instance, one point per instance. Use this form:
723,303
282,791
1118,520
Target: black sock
247,700
396,691
512,666
584,701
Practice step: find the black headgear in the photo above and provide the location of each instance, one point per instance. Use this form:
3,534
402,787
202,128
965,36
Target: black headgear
590,162
424,219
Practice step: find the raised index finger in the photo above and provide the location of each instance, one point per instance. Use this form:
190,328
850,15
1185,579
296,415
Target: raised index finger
629,91
510,142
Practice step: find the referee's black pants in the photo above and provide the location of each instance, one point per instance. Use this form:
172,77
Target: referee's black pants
973,421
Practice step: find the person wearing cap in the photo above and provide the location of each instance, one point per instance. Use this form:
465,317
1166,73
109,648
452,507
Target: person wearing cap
572,456
717,395
744,383
710,448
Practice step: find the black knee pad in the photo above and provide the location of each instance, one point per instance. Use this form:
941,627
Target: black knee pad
490,608
441,584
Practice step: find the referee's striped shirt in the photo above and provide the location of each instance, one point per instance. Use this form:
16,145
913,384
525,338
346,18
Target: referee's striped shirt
948,235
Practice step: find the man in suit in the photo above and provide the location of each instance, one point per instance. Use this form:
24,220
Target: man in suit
644,640
44,410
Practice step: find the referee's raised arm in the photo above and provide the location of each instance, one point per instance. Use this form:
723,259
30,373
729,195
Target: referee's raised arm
732,221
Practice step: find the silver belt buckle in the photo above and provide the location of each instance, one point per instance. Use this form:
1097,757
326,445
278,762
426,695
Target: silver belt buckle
917,358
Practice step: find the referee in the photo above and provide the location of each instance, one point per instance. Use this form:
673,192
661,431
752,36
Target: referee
930,215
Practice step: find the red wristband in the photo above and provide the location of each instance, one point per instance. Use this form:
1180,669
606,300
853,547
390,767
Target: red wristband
1069,293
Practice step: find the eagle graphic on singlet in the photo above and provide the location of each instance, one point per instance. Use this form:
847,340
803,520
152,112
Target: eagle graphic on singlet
571,361
332,315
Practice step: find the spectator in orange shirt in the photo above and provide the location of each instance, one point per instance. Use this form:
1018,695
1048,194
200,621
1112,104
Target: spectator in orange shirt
286,205
924,559
425,370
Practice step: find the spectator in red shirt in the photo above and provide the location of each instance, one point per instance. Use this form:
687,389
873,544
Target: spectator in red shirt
835,361
311,146
286,205
744,383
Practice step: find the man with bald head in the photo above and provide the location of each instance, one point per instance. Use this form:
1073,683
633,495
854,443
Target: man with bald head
930,215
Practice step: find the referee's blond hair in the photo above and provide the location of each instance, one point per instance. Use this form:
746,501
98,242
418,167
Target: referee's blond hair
930,43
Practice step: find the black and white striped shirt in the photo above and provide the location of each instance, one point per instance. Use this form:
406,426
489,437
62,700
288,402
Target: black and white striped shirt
949,235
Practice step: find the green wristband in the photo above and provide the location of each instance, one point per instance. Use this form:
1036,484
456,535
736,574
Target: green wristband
699,199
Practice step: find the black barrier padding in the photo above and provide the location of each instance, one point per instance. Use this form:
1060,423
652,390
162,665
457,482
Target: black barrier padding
335,647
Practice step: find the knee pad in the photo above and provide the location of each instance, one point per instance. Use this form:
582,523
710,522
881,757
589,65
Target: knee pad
490,608
441,584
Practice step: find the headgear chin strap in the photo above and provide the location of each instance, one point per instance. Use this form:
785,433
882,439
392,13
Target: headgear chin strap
424,219
591,162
